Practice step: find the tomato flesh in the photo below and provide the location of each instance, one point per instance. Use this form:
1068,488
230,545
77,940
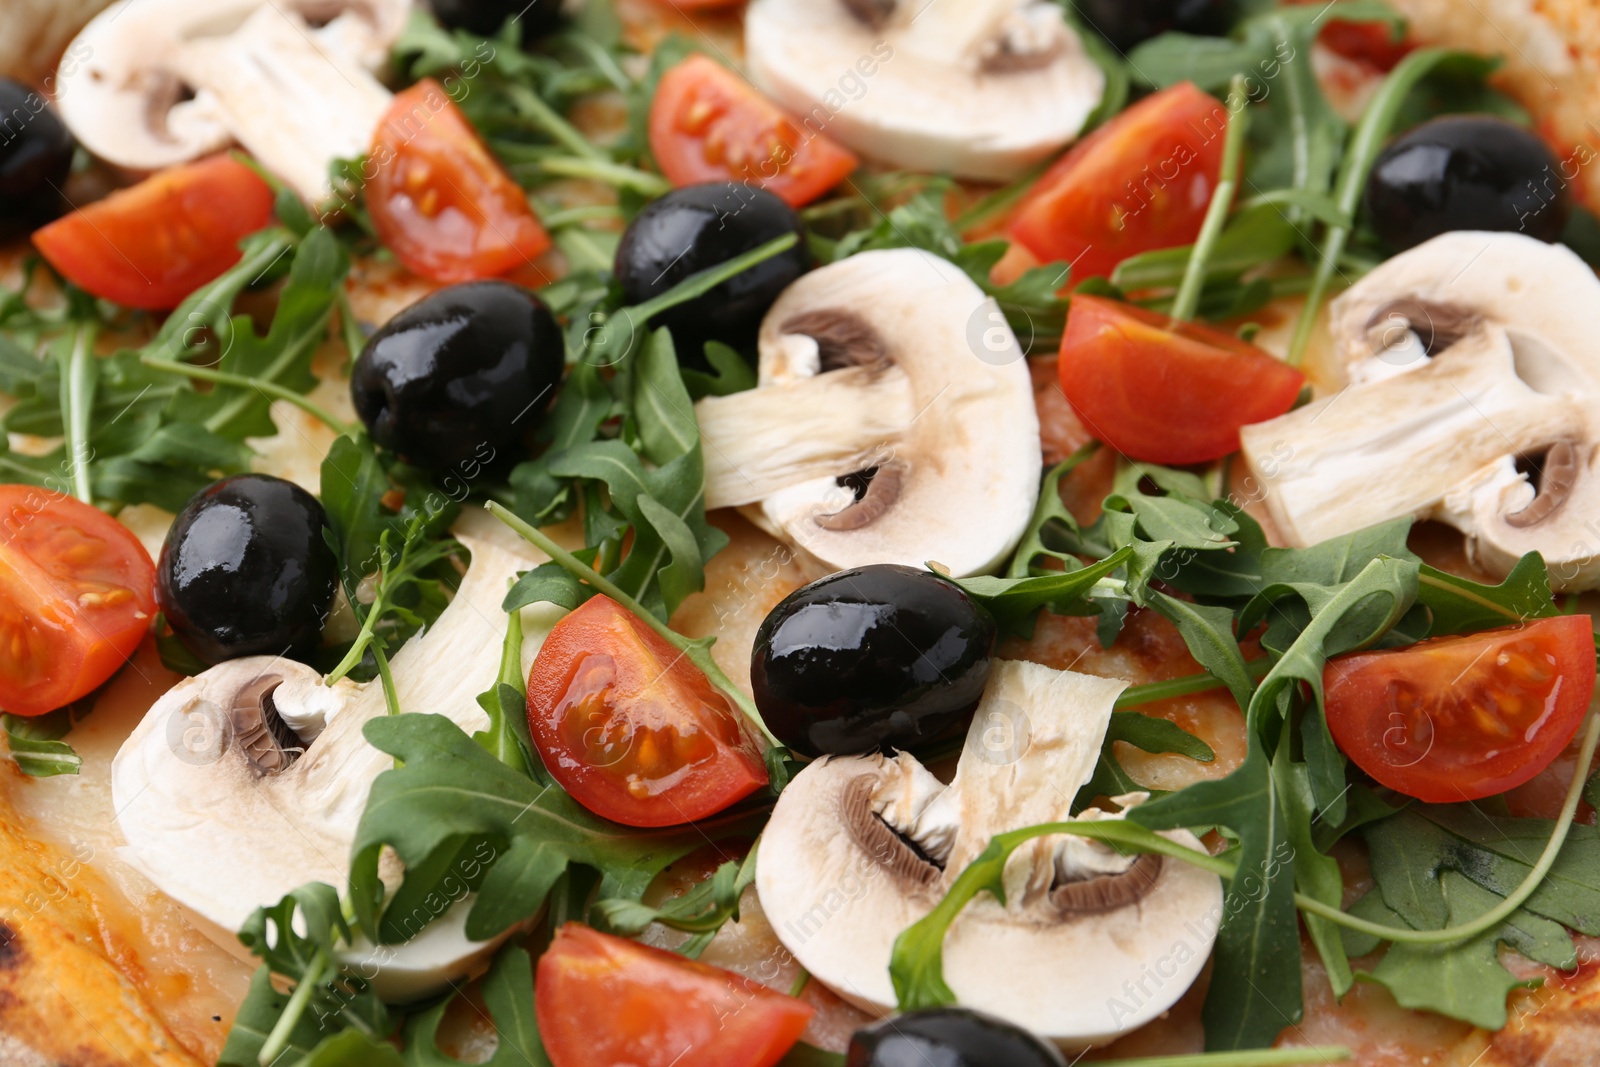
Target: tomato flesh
152,244
631,728
707,124
445,206
1142,181
1163,391
602,1001
77,593
1460,718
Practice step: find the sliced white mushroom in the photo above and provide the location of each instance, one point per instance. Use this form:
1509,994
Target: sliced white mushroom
166,81
248,780
894,421
858,849
1464,356
980,89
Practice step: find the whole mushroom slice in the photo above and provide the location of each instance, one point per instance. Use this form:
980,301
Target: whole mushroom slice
981,89
248,780
858,849
167,81
1473,399
877,433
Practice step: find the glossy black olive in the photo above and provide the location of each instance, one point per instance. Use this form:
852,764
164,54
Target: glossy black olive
485,17
699,227
245,570
1466,172
1126,23
454,380
877,656
949,1037
35,154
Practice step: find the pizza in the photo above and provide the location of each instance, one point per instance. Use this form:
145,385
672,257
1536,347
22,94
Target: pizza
1153,622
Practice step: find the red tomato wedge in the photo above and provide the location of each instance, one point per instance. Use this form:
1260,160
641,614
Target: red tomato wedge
77,593
708,124
631,728
152,244
445,206
1459,718
602,1001
1164,391
1140,182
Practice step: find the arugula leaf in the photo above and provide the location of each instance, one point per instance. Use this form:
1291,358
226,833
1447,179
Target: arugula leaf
1443,866
507,737
1146,733
36,746
449,792
1457,605
1013,601
702,911
297,938
1256,982
508,995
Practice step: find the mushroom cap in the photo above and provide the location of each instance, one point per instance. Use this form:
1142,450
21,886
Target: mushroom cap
873,365
925,88
217,818
839,881
148,89
1463,355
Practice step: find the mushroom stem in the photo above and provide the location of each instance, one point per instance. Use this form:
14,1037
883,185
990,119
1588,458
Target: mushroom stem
288,94
764,440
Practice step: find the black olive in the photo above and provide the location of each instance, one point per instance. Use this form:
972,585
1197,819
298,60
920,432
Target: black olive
1466,172
1126,23
485,17
245,570
949,1037
35,154
877,656
699,227
456,378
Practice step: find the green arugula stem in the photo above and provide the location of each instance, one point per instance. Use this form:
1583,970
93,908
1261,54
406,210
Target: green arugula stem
607,173
983,873
1150,692
367,637
77,401
1365,145
261,385
698,652
391,697
574,216
697,285
541,114
1194,277
801,980
207,307
278,1039
349,328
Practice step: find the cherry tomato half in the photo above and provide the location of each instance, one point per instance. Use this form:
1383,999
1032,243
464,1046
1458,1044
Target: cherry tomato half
77,593
708,124
152,244
445,206
631,728
1163,391
1459,718
1140,182
603,1001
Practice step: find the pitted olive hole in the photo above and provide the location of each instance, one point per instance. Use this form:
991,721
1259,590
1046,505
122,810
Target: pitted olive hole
1553,474
268,742
906,862
1108,892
